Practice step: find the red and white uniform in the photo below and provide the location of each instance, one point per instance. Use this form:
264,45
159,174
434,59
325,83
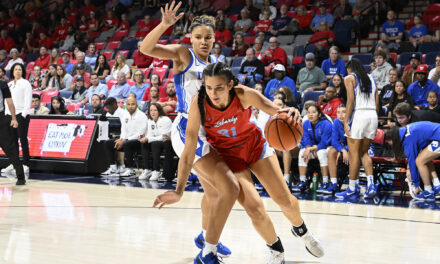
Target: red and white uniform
237,140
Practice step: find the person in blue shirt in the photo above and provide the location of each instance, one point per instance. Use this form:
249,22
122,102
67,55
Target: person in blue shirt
121,89
420,142
334,64
316,138
419,89
280,80
279,25
392,30
139,87
322,16
418,33
66,62
338,149
97,88
91,55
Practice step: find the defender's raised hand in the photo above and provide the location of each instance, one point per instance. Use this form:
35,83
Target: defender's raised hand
169,13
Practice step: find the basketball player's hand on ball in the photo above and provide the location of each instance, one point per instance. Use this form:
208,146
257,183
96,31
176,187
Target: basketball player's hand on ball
14,123
293,112
169,197
169,13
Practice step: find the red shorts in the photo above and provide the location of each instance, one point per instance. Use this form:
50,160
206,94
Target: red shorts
240,157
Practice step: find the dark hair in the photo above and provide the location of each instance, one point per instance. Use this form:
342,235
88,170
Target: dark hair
23,70
37,96
203,20
62,109
97,62
214,69
97,96
158,77
159,109
402,109
3,70
434,92
110,101
342,105
380,53
364,80
342,90
394,94
394,136
318,109
93,73
282,94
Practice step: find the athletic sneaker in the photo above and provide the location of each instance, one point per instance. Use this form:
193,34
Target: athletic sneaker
348,193
121,168
313,245
155,175
323,187
145,175
111,170
425,196
275,257
222,250
371,191
412,188
8,170
128,172
437,192
300,187
332,188
208,259
21,182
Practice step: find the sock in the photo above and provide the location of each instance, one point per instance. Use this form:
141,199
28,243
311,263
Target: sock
287,177
299,230
436,182
277,246
325,179
352,185
357,181
302,178
370,179
428,188
208,249
334,180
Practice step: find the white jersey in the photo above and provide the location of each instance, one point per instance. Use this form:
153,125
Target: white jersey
188,83
361,100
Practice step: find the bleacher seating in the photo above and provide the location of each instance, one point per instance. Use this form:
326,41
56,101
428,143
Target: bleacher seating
47,96
237,61
365,59
404,57
114,45
108,54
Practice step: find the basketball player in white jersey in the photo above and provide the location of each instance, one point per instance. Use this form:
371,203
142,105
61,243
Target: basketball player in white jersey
360,126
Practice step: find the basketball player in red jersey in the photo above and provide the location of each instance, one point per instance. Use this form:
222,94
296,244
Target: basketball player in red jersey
222,106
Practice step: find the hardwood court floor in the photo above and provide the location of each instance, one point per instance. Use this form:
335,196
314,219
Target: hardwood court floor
64,222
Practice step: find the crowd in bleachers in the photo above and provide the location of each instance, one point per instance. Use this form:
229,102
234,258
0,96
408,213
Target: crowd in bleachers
84,54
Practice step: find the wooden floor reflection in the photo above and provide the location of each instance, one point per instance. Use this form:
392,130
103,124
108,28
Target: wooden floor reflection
58,222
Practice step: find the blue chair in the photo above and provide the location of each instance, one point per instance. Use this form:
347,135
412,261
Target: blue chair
312,95
426,47
404,57
430,57
226,51
66,94
365,58
367,68
237,62
235,70
299,51
343,38
129,44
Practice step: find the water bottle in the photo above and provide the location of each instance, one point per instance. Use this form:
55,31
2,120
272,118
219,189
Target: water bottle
81,110
315,181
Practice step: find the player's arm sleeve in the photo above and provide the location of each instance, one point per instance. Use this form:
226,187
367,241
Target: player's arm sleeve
326,134
411,155
307,140
336,143
27,98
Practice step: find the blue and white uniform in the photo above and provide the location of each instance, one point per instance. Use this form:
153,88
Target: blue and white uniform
318,134
363,119
414,138
187,85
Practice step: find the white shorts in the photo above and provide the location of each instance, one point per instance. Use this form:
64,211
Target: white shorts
434,146
178,133
322,157
363,124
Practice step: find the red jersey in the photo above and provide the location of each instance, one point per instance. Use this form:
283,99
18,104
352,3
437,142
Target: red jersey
331,108
277,54
263,25
60,32
320,36
222,36
43,61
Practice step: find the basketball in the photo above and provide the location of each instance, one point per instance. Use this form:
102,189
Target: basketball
282,133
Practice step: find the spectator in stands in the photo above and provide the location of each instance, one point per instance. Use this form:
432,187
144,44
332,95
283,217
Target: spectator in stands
265,23
64,78
323,16
387,91
280,24
141,60
419,90
244,23
158,140
409,73
140,86
259,87
92,24
258,48
79,91
58,106
83,24
96,104
381,74
29,45
118,67
328,102
102,69
45,40
433,102
169,103
338,82
3,75
36,78
6,42
112,108
434,74
14,58
134,124
300,24
67,43
80,71
37,108
124,24
79,42
91,55
384,48
96,88
3,58
239,47
418,33
50,80
55,57
221,16
121,89
289,96
109,22
338,148
311,78
251,70
81,58
274,54
322,39
392,30
222,34
342,10
60,32
66,62
253,11
280,80
334,64
217,55
267,4
145,27
316,138
154,97
405,115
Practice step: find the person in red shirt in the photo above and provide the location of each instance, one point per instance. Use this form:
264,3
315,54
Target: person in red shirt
297,3
109,22
222,34
60,32
329,102
29,45
32,12
141,60
124,25
37,29
44,59
323,37
303,19
169,103
6,42
274,54
73,8
80,71
288,3
158,63
83,24
70,18
264,24
88,8
93,24
13,22
45,41
145,26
